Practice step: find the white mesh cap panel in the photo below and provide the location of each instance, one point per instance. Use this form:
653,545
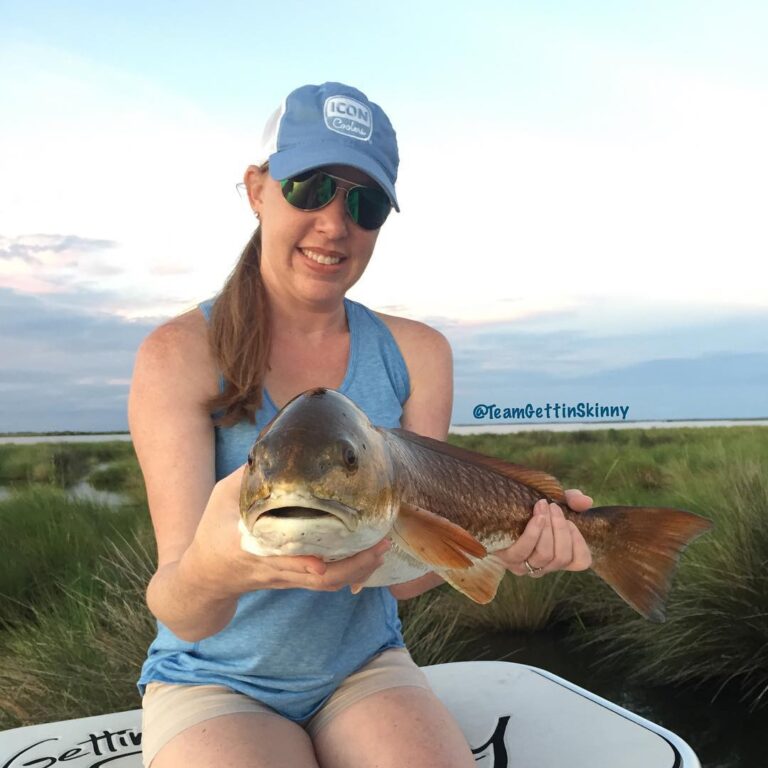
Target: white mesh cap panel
269,137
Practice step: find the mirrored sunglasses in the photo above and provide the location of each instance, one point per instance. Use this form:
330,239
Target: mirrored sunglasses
368,207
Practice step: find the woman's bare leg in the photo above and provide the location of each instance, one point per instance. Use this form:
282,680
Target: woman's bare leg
241,740
404,727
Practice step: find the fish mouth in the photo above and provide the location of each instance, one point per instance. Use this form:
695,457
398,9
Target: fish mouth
295,506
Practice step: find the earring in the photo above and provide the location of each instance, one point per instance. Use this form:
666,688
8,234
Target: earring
256,214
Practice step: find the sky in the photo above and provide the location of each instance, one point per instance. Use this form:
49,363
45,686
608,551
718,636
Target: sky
582,189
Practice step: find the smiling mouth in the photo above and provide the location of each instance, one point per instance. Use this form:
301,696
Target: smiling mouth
320,257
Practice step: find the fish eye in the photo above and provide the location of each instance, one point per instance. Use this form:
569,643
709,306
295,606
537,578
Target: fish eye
250,461
349,456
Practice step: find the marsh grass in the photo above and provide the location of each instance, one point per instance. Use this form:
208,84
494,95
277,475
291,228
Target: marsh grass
717,615
81,653
121,475
522,605
53,539
86,627
431,629
56,463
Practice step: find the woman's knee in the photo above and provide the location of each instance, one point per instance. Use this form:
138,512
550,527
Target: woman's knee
402,727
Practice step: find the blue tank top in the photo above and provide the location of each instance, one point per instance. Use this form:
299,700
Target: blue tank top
291,648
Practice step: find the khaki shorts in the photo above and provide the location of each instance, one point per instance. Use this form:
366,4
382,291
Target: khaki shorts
167,709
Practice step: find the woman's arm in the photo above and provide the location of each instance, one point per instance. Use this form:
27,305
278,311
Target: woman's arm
173,438
202,569
557,542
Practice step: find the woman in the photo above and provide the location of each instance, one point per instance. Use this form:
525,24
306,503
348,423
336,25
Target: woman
272,661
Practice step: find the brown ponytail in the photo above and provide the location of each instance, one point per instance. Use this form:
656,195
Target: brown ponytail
239,334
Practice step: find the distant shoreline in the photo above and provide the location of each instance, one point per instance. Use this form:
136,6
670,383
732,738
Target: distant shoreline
29,438
491,427
64,433
483,427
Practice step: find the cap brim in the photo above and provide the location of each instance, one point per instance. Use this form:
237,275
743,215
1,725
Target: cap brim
289,162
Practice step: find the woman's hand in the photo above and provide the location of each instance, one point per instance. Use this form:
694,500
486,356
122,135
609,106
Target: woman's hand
549,541
218,564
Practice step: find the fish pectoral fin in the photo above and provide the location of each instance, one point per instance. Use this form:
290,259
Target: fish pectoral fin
433,539
478,582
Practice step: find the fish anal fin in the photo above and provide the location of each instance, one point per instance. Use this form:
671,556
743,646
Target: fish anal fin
480,581
434,540
543,483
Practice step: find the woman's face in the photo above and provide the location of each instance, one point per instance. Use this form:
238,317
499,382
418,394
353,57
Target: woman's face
295,243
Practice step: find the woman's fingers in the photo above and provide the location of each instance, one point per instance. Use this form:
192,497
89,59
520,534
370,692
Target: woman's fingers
582,557
563,541
298,564
577,501
514,556
549,542
355,569
544,550
330,576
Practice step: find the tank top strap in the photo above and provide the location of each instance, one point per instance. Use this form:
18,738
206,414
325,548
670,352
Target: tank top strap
206,308
373,349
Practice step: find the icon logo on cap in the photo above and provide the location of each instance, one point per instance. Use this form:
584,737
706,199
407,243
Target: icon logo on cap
348,117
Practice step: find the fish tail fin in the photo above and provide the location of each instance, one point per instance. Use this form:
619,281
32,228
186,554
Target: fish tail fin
642,549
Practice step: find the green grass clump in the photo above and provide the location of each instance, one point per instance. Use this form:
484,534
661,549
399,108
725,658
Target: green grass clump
56,463
55,540
431,630
82,652
122,476
717,614
521,605
112,477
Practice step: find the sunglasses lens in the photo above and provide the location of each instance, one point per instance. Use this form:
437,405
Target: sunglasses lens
368,207
309,191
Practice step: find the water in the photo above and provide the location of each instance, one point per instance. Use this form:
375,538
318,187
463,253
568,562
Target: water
723,733
30,439
503,429
456,429
83,491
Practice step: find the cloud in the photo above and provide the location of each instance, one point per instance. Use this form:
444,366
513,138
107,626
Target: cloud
63,368
126,161
48,263
721,386
68,367
716,368
35,248
94,275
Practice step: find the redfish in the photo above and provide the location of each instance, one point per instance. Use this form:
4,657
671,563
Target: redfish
322,480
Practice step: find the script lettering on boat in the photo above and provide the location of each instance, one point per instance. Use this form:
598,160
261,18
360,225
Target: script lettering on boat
496,743
106,745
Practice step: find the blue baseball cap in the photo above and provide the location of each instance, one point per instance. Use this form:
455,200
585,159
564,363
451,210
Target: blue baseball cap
331,124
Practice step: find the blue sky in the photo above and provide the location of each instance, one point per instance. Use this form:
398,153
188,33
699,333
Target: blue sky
582,185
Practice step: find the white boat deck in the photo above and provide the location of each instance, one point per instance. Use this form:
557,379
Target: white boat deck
513,715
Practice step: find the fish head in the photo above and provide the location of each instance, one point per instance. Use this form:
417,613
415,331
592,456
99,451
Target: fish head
319,481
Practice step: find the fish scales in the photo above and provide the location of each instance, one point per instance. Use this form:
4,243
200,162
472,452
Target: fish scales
322,480
489,505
